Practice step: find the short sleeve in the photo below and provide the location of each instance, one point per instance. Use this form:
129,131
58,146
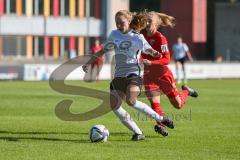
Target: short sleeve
109,45
164,45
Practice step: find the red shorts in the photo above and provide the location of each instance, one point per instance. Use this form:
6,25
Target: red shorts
165,84
97,63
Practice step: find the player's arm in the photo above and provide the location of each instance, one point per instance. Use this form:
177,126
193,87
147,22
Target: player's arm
93,58
147,49
109,45
165,59
152,52
189,55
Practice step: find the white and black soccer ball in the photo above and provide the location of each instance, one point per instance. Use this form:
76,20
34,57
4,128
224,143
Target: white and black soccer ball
99,133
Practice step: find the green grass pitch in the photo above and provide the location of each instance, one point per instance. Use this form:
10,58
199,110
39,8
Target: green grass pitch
206,128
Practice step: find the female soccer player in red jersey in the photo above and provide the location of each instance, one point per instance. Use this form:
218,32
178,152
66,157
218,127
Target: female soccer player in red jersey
157,76
97,65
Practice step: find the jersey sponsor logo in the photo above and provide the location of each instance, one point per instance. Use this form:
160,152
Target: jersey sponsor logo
125,44
164,48
124,47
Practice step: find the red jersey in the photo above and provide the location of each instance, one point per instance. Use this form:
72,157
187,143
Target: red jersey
94,50
159,65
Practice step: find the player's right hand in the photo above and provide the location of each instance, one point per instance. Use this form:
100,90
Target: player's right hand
157,54
85,68
146,62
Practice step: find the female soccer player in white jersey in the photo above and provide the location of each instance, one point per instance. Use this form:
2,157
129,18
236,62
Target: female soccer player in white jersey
128,45
180,54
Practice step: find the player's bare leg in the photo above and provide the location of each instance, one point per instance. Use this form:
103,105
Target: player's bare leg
184,73
132,93
179,100
178,67
99,68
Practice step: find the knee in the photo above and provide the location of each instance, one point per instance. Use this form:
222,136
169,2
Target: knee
131,101
176,104
115,101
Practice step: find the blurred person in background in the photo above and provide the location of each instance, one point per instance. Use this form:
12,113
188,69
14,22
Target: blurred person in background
219,59
96,66
180,54
158,77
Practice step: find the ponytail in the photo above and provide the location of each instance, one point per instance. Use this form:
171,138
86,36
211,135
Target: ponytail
167,21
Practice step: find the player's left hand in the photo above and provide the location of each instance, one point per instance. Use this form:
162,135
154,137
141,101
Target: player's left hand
190,60
85,68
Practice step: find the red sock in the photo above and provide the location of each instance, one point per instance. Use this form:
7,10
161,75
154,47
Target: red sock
157,108
183,95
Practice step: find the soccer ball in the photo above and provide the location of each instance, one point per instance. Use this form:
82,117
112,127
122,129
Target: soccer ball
99,133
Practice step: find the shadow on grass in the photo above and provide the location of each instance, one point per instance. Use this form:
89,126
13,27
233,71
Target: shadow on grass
55,132
16,139
40,132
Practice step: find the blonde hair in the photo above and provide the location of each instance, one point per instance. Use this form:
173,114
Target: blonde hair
124,13
167,21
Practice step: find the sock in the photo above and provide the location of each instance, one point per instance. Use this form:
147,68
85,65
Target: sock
157,108
126,120
142,107
183,95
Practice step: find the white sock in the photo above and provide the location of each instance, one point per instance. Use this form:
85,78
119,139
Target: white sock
144,108
126,119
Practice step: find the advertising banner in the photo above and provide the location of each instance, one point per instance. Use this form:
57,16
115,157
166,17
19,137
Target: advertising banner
11,72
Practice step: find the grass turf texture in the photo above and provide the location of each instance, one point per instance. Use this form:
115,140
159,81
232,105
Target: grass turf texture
206,128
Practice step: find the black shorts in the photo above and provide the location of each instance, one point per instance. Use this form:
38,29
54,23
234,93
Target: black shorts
121,83
182,60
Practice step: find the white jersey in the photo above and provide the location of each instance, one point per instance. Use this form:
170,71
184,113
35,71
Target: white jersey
128,48
179,50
